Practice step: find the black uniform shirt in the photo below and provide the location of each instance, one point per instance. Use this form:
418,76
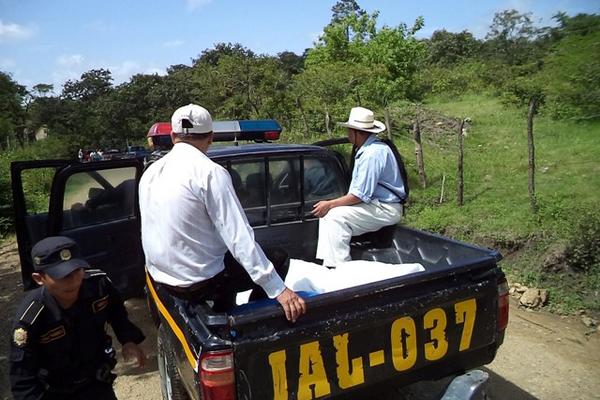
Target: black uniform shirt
61,348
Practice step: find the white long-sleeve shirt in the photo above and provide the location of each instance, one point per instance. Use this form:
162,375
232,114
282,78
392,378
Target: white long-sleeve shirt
191,216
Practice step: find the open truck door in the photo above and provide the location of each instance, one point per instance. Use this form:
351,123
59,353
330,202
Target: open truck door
96,204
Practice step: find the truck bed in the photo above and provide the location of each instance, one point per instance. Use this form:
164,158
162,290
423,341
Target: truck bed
428,324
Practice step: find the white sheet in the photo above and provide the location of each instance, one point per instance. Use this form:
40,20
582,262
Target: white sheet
312,277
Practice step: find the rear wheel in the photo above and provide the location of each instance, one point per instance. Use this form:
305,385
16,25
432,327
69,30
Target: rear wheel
171,384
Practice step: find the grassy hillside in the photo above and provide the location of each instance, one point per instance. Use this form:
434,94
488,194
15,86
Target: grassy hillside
557,248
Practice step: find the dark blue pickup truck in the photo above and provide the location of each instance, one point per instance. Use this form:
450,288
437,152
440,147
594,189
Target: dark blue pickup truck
353,342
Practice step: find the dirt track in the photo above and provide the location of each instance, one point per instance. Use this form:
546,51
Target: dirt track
544,356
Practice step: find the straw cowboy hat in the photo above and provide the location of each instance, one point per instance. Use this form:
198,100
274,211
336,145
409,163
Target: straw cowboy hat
363,119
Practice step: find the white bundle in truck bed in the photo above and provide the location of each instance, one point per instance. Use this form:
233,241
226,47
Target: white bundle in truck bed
311,277
314,278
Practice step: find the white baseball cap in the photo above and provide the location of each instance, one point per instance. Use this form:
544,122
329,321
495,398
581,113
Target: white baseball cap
363,119
191,119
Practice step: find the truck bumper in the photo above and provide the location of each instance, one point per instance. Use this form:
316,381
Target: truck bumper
468,386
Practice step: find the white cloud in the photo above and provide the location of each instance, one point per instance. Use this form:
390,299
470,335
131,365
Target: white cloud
125,70
173,43
197,4
74,65
12,31
6,63
70,60
100,26
69,66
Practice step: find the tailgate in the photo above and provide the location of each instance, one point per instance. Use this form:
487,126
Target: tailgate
392,335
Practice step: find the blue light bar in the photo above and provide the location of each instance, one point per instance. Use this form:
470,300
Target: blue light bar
259,130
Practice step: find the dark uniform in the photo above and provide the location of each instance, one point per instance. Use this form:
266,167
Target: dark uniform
67,354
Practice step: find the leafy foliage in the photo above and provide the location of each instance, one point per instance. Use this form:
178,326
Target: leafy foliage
449,48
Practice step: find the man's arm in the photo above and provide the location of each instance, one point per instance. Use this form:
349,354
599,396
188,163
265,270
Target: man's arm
128,334
230,220
322,207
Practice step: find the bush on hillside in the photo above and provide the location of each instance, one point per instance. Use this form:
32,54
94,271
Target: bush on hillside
454,81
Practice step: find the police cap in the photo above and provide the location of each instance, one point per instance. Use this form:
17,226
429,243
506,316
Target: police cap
57,256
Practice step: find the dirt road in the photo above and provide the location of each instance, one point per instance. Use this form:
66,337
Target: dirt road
544,356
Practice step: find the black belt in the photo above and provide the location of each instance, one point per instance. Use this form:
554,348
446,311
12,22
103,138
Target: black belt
196,291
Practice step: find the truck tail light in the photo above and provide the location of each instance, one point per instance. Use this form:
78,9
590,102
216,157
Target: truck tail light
502,304
272,135
217,379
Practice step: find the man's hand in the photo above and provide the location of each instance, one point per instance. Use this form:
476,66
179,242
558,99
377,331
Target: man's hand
293,305
322,208
132,350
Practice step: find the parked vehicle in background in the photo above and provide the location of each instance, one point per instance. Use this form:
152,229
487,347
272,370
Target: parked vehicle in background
136,152
112,154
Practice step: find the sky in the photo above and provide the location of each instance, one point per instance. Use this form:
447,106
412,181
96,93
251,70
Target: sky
51,41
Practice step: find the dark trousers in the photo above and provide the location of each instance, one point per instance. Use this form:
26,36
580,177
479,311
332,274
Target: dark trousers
94,390
223,287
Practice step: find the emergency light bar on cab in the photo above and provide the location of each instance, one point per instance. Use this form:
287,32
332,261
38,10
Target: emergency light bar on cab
159,135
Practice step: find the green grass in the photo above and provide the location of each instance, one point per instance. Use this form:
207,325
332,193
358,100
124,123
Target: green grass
496,208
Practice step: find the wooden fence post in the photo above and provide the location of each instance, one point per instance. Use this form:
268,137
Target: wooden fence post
304,121
419,153
442,191
460,186
531,153
388,123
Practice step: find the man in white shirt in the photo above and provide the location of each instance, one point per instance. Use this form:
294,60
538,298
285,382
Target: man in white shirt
191,216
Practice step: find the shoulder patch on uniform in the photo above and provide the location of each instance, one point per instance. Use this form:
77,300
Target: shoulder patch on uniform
32,312
92,272
53,334
100,304
20,337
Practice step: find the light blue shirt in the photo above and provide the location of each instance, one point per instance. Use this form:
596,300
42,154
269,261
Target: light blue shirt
376,175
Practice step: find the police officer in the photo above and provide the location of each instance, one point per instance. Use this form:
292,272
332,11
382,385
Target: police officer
59,347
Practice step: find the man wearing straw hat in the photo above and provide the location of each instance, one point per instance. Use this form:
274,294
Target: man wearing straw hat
374,197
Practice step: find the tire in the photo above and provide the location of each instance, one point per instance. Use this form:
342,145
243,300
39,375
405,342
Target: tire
171,385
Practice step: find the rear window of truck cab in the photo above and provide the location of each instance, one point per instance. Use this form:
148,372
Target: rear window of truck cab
276,189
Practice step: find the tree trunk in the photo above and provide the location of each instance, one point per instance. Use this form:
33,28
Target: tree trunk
388,123
419,153
304,121
531,153
460,185
327,121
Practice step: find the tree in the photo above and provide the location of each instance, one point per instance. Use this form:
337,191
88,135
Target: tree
511,37
290,62
571,74
345,8
393,54
12,113
92,84
213,56
580,24
43,89
448,48
326,92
